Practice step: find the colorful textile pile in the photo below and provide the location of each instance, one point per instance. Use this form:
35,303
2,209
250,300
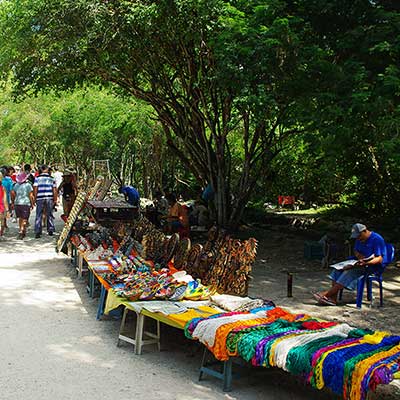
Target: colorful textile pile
349,361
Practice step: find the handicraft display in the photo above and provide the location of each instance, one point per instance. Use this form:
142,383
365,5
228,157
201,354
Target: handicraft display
349,361
181,253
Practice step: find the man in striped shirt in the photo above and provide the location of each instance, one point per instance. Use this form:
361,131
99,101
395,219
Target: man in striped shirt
45,195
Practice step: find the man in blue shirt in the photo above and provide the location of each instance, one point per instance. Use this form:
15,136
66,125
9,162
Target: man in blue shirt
131,195
369,250
45,196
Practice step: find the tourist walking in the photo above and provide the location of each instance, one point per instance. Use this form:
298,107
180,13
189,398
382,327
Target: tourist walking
28,171
68,190
22,201
3,207
7,185
45,196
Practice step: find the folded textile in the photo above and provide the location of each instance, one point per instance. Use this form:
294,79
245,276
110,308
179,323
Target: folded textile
205,330
193,303
282,347
347,360
236,303
165,307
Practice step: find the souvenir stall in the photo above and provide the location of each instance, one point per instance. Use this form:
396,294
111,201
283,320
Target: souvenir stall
202,290
144,271
349,361
94,221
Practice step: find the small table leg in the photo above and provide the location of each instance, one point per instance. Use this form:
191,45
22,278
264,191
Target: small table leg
227,375
80,265
102,299
122,326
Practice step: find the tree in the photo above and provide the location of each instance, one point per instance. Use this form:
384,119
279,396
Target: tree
359,115
79,126
218,74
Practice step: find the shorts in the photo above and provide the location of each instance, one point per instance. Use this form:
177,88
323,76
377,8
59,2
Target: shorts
22,211
349,278
175,225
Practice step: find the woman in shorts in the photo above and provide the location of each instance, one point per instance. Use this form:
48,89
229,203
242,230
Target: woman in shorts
23,201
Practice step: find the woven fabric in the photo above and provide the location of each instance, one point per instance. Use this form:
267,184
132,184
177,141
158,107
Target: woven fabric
206,330
348,361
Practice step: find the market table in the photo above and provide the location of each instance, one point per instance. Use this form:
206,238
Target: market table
175,314
322,352
143,337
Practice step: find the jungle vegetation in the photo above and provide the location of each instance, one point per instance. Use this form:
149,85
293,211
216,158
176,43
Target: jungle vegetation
256,98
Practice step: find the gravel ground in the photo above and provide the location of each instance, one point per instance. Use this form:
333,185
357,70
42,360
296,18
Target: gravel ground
53,347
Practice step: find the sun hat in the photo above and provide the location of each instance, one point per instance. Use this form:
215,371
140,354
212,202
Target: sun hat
69,171
21,177
356,230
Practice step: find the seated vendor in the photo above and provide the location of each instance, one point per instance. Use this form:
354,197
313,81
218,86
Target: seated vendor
177,218
200,215
368,245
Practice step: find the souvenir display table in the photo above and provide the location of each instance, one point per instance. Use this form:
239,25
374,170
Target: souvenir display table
347,360
172,282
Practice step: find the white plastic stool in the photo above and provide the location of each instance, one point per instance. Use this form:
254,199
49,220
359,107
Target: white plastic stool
142,337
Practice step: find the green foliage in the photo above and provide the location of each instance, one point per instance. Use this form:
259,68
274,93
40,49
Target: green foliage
79,126
258,97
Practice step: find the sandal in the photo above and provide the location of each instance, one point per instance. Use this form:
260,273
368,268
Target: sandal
317,296
326,301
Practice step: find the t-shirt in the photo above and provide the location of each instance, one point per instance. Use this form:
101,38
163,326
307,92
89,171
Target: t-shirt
375,244
22,191
179,211
58,176
208,193
45,184
132,194
7,185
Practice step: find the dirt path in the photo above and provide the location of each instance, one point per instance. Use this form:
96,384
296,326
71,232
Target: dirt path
53,347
